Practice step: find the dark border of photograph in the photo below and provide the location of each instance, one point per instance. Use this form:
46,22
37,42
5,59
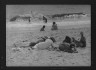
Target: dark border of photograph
40,2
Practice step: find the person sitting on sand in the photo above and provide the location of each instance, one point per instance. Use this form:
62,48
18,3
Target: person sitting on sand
54,26
82,42
42,29
67,45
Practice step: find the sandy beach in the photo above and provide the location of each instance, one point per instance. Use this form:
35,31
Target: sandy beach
16,33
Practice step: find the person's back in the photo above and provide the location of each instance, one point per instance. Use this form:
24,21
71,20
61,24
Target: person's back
54,26
43,28
82,40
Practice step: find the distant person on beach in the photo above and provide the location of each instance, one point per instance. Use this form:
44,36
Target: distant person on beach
29,20
43,28
44,19
54,26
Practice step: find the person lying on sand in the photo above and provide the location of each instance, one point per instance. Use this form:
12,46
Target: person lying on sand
45,45
41,39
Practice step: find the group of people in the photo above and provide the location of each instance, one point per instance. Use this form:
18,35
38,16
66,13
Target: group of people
54,27
67,45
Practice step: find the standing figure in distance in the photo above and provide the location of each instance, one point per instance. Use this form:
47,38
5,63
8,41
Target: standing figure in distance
45,19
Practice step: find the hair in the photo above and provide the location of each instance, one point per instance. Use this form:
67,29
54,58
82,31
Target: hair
53,39
43,26
44,38
32,44
54,23
81,33
67,39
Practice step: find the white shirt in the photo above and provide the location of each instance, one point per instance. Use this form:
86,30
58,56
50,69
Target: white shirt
44,45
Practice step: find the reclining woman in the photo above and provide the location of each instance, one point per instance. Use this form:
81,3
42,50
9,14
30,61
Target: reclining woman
41,39
47,44
17,47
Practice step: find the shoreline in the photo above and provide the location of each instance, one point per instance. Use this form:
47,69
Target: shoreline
65,25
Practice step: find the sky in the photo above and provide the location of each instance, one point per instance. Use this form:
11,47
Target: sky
12,10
